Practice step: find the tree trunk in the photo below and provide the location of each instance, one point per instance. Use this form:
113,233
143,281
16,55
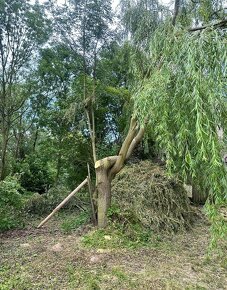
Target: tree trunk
59,165
3,154
176,11
35,139
20,151
103,185
107,168
199,196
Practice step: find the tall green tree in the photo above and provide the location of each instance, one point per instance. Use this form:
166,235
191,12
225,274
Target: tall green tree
85,28
59,71
22,31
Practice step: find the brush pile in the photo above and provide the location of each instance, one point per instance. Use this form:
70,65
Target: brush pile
144,194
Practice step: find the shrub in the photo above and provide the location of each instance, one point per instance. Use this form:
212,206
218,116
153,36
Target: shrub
36,204
41,204
45,203
71,223
36,175
11,204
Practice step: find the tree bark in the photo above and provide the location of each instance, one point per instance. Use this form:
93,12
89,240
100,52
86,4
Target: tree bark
5,138
107,168
59,165
103,185
176,11
199,196
35,139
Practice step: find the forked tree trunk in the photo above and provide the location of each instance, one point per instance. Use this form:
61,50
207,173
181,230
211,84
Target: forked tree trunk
107,168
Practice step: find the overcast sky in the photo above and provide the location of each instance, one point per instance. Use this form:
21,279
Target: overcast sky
114,2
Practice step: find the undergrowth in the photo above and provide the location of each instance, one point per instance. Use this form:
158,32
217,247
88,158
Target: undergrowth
73,222
130,236
11,204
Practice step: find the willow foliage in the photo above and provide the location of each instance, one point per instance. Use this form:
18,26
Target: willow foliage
184,96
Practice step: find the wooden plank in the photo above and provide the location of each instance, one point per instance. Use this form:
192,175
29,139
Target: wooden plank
63,203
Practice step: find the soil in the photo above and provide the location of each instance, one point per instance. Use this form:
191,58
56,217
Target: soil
46,258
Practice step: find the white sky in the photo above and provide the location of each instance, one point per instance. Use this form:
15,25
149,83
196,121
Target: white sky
115,2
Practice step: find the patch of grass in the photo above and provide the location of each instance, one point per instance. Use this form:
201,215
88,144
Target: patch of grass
17,281
156,262
115,236
119,273
89,279
100,278
72,222
195,287
224,263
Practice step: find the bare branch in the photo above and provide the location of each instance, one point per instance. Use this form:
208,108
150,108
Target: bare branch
220,24
124,148
135,142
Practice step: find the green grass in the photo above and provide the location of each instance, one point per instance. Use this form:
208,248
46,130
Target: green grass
73,222
120,274
83,277
118,257
19,280
99,278
115,236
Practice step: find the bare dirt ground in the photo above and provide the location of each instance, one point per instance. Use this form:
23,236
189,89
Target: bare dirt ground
49,259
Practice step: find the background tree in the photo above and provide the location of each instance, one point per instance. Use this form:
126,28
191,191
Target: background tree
22,30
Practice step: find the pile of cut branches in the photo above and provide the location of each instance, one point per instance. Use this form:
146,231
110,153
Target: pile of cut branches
143,193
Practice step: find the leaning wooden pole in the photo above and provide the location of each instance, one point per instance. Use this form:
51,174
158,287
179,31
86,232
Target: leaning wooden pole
91,197
63,203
